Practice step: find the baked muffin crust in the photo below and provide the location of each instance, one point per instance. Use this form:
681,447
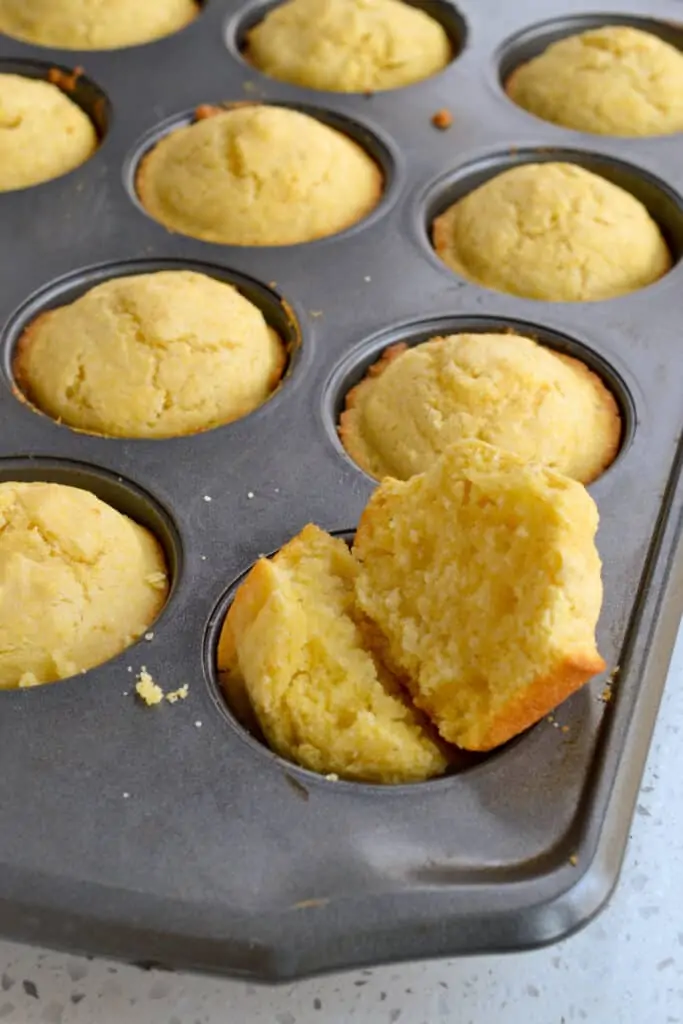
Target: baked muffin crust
258,175
552,231
348,45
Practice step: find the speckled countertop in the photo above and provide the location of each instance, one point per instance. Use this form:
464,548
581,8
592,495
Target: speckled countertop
626,967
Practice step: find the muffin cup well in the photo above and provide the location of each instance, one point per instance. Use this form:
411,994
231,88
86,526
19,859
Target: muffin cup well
239,25
351,370
277,312
242,720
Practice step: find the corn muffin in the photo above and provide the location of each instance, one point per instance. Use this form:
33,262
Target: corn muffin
321,697
348,45
43,134
152,355
93,24
614,80
552,231
79,582
483,579
501,388
258,175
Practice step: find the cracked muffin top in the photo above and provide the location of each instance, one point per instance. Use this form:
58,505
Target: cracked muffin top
43,134
93,24
552,231
152,355
258,175
504,389
79,582
614,80
348,45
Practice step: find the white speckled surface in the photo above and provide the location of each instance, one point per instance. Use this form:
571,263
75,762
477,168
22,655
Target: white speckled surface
626,967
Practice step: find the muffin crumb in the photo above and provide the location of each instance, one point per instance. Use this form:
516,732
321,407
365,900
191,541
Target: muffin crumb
179,694
442,119
147,689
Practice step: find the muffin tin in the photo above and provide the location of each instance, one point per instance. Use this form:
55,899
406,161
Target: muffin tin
171,836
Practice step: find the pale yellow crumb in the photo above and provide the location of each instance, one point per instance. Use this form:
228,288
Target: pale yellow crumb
565,728
292,651
147,690
445,558
573,860
179,694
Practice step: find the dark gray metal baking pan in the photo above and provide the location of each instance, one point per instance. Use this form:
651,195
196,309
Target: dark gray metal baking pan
171,836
